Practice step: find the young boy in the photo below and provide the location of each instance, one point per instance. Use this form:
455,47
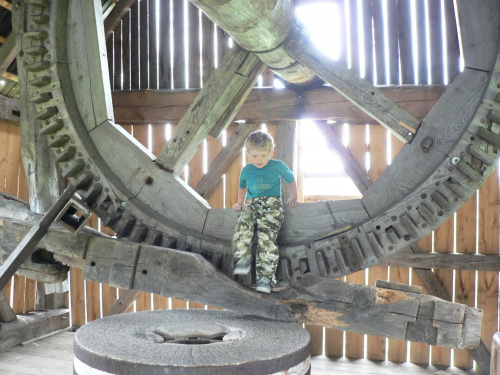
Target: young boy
260,182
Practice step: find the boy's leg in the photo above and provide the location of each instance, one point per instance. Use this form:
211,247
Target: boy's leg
242,239
268,226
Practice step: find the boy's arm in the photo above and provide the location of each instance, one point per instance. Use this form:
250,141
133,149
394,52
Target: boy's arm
293,201
242,193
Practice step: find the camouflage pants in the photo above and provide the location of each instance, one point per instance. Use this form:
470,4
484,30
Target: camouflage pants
266,213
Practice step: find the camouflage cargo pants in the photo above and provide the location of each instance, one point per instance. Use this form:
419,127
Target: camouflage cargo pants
266,213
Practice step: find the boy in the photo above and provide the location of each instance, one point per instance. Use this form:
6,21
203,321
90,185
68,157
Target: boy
260,182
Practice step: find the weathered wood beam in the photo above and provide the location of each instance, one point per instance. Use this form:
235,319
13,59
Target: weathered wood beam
6,312
7,53
269,104
10,111
116,15
10,76
5,4
188,276
126,299
213,109
442,261
431,283
31,240
224,160
357,174
360,92
36,324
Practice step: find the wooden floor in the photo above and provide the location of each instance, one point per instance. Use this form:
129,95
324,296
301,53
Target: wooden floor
53,355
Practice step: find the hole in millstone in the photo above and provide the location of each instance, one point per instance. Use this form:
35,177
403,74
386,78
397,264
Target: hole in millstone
92,264
144,272
195,333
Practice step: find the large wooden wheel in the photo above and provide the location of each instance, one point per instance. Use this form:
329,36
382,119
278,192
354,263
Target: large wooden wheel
451,153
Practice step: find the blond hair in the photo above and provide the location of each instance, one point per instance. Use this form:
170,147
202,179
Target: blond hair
259,140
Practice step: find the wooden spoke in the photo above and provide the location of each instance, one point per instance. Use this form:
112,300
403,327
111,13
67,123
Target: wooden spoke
213,109
360,92
224,160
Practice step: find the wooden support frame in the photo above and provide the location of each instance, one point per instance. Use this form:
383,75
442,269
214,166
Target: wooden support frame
213,109
360,92
7,53
10,111
124,302
29,242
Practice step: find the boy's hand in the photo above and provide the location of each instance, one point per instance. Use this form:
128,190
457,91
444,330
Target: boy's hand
293,202
239,206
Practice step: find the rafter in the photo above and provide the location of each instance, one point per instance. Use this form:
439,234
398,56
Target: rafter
224,160
7,53
5,4
360,92
269,104
213,109
113,19
357,174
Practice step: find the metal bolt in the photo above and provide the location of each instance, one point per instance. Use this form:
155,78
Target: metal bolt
455,160
124,204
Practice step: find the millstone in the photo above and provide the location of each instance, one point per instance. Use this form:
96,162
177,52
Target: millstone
190,342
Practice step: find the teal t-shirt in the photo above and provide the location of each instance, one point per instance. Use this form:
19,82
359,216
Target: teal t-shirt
265,182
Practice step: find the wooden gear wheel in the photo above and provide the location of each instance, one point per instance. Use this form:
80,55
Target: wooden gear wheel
446,157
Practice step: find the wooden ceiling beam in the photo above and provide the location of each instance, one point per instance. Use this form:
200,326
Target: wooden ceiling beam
363,94
213,109
113,19
5,4
7,53
269,104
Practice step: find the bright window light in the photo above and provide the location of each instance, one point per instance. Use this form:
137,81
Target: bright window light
2,82
278,84
322,21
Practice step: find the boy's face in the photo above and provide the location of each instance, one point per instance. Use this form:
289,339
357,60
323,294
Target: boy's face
259,157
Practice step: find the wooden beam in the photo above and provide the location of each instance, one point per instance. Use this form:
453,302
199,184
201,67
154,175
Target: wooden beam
11,76
213,109
2,39
116,15
445,261
31,240
269,104
5,4
7,53
126,299
317,300
360,92
224,160
10,111
357,174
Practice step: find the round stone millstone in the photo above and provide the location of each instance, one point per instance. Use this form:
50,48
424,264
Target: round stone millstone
190,342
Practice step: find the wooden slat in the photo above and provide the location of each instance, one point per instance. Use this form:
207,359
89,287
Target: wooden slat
465,280
143,44
354,342
397,349
436,42
419,352
222,43
452,46
392,41
134,47
379,42
143,302
376,346
487,282
18,300
194,46
421,41
30,296
367,14
153,50
354,37
224,160
268,104
179,53
160,302
77,297
285,151
108,298
403,22
117,40
126,51
110,52
164,63
117,14
207,47
443,243
93,300
316,332
360,92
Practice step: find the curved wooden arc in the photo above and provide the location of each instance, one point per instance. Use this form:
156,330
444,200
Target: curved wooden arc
453,152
